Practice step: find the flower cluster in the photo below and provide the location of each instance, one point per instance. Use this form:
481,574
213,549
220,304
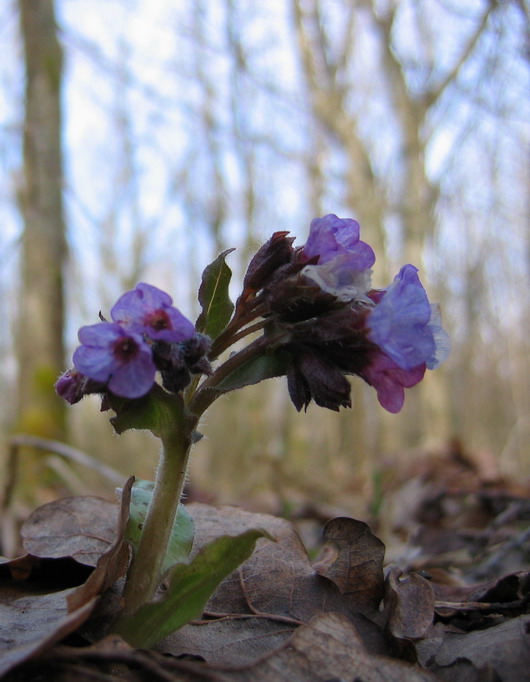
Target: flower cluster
335,324
147,334
318,312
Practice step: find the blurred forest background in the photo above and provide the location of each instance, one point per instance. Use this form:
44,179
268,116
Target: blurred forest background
139,138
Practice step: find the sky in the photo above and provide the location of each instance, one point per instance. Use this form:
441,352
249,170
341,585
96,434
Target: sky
131,100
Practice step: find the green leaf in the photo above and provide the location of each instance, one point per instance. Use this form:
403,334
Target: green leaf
190,587
256,370
181,539
215,302
158,412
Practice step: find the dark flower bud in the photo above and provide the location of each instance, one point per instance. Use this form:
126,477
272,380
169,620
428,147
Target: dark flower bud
169,360
178,361
196,352
175,379
297,299
340,337
312,377
73,386
276,252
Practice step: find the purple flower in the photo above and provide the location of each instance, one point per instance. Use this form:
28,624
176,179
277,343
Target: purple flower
390,380
331,237
72,386
405,326
341,261
149,310
117,357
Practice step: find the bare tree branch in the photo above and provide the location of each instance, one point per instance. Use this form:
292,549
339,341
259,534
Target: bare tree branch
434,93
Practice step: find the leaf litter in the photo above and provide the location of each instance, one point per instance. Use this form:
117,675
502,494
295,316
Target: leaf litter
454,606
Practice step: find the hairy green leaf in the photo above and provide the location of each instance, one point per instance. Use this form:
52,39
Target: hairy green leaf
190,587
183,532
215,302
158,412
256,370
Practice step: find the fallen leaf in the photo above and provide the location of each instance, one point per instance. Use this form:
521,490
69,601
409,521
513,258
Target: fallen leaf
358,568
31,575
62,663
30,625
81,527
410,601
463,670
504,648
113,563
327,648
229,640
19,568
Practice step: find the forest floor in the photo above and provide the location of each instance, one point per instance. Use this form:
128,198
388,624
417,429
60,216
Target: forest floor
446,596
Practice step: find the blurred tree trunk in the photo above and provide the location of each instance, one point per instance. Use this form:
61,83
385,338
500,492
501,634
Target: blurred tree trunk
40,331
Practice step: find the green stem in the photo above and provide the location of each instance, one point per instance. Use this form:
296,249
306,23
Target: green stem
145,573
232,332
238,336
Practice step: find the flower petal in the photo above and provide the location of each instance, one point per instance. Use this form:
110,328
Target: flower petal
399,323
95,363
134,379
441,339
390,380
332,236
143,309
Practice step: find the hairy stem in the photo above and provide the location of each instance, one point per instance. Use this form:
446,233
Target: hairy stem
145,573
234,331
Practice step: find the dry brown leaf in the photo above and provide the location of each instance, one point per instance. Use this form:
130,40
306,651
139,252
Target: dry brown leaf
463,670
410,601
358,568
31,623
113,563
327,648
79,527
62,663
504,648
20,568
507,589
233,640
508,596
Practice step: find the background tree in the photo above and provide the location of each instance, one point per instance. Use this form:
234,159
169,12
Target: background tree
40,350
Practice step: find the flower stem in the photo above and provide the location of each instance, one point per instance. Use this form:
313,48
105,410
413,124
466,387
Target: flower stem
234,331
145,573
